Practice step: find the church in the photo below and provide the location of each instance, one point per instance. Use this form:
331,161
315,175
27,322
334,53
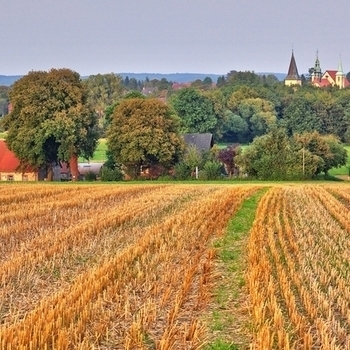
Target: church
330,77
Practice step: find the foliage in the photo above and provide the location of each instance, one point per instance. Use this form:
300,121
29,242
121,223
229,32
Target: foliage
275,156
242,93
227,157
331,152
182,171
90,176
4,100
211,171
103,90
193,157
144,132
195,110
269,157
51,120
133,94
111,174
324,111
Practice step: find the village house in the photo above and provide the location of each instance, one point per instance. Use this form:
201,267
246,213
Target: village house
203,142
10,169
9,166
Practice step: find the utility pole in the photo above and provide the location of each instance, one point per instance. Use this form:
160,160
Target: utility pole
303,161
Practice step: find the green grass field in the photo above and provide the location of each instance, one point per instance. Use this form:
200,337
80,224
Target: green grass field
344,170
100,153
2,135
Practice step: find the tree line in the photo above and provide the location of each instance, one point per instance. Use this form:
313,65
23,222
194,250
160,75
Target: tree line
58,117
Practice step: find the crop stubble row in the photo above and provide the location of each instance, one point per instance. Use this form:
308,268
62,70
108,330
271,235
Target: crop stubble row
129,271
299,268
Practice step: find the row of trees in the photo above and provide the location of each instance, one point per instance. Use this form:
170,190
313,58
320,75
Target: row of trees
242,106
276,156
58,117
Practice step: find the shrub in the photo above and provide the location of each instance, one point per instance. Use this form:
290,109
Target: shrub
165,178
108,174
90,176
182,171
212,170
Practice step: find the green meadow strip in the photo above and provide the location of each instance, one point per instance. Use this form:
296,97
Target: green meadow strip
229,318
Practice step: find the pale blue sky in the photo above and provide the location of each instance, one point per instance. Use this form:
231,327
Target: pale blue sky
170,36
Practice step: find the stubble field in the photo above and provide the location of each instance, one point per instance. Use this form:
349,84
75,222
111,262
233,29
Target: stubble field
138,267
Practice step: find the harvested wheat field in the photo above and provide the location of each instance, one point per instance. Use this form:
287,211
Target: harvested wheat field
299,268
139,266
107,266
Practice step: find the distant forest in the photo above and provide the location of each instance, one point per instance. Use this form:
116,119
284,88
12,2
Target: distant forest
7,80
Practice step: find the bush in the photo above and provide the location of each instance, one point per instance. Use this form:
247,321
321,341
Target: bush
165,178
90,176
182,171
212,170
108,174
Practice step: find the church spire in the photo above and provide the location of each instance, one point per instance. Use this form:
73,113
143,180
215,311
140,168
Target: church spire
293,77
317,73
340,66
340,76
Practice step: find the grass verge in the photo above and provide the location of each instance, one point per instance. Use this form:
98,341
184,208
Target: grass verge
229,318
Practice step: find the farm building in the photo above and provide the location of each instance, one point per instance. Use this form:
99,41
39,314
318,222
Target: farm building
85,168
203,142
9,166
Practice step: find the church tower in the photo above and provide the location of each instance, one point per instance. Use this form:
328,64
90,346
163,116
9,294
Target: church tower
317,73
293,77
340,76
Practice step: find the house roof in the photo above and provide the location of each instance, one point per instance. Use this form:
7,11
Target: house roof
203,142
330,73
84,168
329,78
293,70
8,161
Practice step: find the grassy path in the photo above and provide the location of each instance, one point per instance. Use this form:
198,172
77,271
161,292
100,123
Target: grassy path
229,318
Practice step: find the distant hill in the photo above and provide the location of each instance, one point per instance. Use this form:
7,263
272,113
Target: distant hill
174,77
8,80
279,76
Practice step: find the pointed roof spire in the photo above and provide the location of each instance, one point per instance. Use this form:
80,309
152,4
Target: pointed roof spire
317,68
293,69
340,66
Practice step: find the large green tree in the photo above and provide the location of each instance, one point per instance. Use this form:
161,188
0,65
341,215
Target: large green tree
196,111
275,156
328,148
50,121
4,90
144,132
103,90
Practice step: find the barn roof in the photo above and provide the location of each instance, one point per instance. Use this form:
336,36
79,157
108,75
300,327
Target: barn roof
8,161
203,142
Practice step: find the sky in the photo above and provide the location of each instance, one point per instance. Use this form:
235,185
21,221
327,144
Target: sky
172,36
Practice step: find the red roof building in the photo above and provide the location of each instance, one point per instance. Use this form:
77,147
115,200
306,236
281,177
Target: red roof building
330,77
8,161
9,164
